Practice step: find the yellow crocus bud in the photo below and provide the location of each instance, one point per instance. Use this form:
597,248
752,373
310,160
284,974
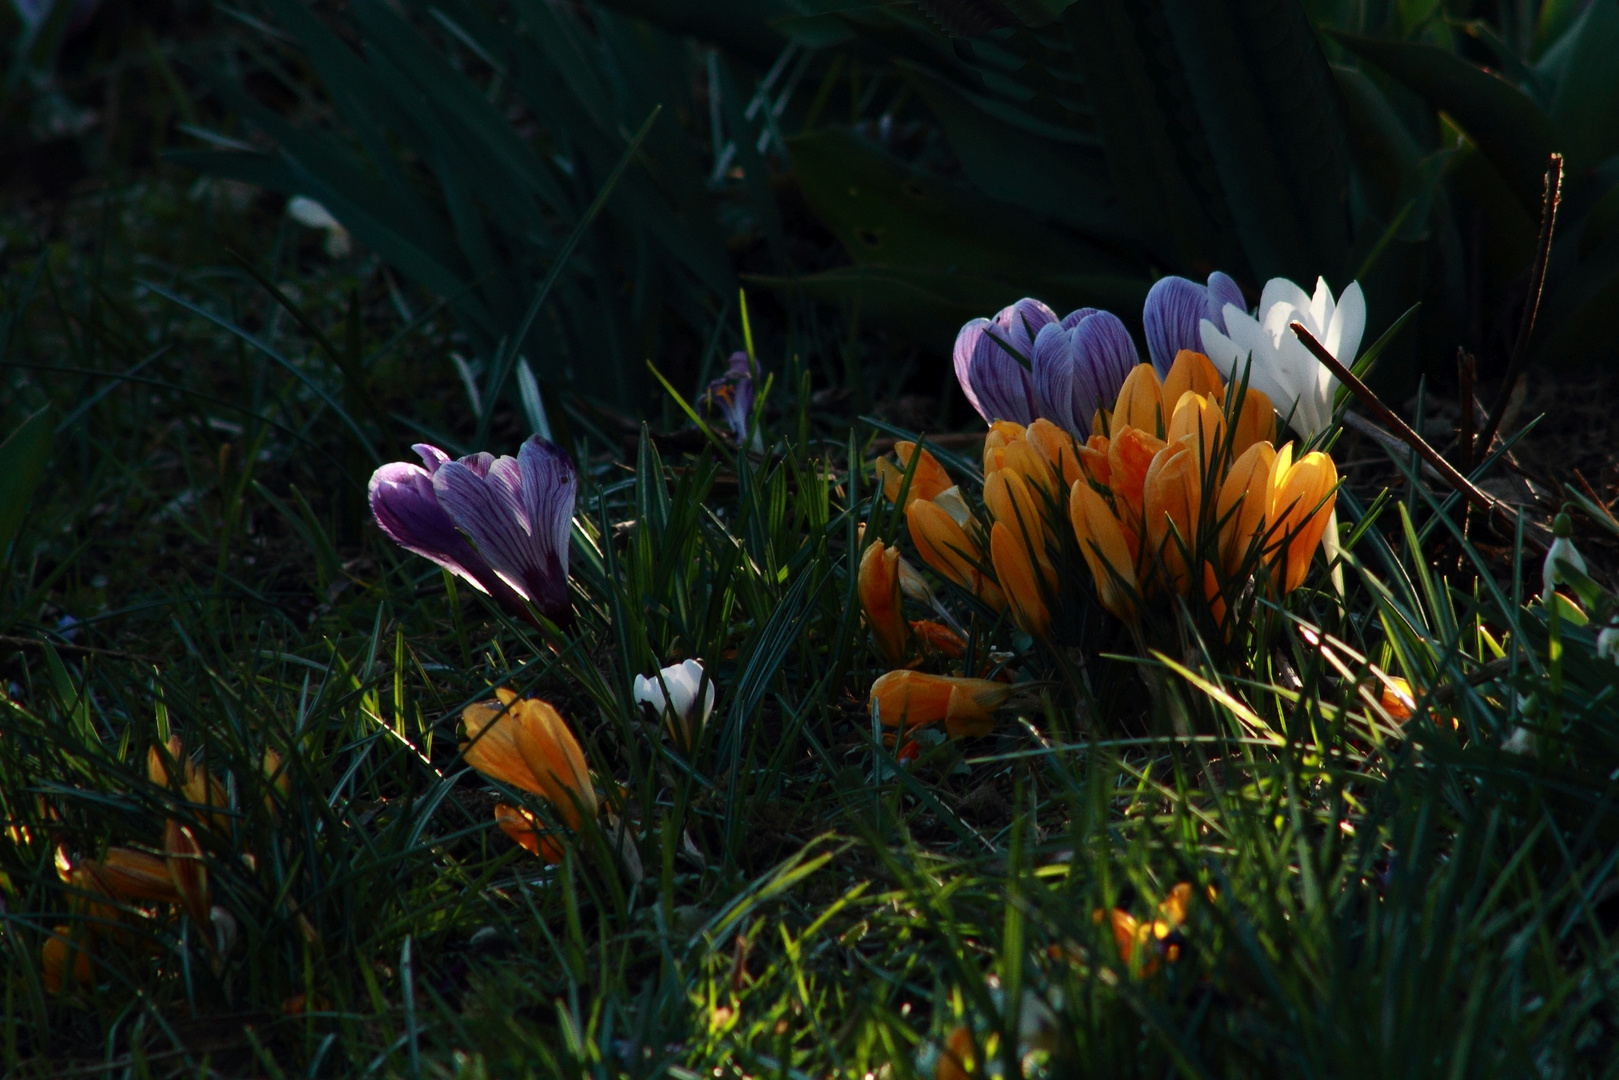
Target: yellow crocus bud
62,953
880,598
1255,423
1058,450
1140,403
1020,564
914,698
187,871
524,742
1200,418
945,546
926,483
1129,454
1243,502
1174,489
1107,551
1302,496
1193,372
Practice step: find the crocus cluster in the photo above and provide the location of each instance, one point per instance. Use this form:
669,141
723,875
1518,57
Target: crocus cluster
525,743
501,524
129,884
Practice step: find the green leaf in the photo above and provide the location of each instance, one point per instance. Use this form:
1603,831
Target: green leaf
929,305
1508,128
1054,173
1585,106
1270,114
22,463
886,213
1160,160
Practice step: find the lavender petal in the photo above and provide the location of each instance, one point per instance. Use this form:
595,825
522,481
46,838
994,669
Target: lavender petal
1172,318
408,511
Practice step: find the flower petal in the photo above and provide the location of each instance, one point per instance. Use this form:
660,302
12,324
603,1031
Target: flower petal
407,509
1170,317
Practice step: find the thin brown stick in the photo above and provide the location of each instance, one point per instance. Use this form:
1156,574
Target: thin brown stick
1465,371
1445,469
1551,196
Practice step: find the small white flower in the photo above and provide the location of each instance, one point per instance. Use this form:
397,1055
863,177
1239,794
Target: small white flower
1551,574
1283,369
683,680
1608,641
311,214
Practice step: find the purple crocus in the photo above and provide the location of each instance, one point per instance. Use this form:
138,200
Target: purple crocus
994,358
1175,310
1079,365
731,395
503,524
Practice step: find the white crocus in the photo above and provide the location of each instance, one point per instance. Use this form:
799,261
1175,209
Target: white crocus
312,215
1299,385
1608,641
1283,370
680,709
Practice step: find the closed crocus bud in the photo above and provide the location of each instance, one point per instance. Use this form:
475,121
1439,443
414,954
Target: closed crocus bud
1093,460
1255,422
684,713
1173,495
1140,404
1107,551
199,787
994,360
1176,307
945,546
928,482
880,599
1018,505
525,743
1201,420
1079,365
1192,371
1129,455
524,828
126,875
914,699
731,395
1608,641
1020,565
1244,502
62,954
1396,697
1058,450
187,871
1303,493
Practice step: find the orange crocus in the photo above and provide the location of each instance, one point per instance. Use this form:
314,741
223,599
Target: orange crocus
1140,943
54,960
1173,495
126,875
939,638
1093,460
880,598
944,545
1129,455
1194,372
958,1056
927,482
1243,503
1107,550
1016,558
1255,423
1140,403
914,698
525,743
1303,494
1200,418
199,787
524,828
1057,449
187,872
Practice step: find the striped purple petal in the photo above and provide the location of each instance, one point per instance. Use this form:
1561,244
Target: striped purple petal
994,358
408,511
1079,365
519,516
1175,309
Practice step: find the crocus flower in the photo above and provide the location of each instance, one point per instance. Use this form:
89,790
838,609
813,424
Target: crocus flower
1283,369
927,482
1176,307
994,360
966,706
880,599
1019,568
197,786
503,524
681,710
60,953
525,743
731,395
1608,641
1303,495
1142,942
1079,364
939,529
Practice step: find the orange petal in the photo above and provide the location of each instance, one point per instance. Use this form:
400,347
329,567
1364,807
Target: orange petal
1201,419
1015,570
1174,489
916,698
555,759
1255,423
491,746
1243,503
1129,455
1192,371
1302,497
187,872
939,638
1107,551
1140,403
880,598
